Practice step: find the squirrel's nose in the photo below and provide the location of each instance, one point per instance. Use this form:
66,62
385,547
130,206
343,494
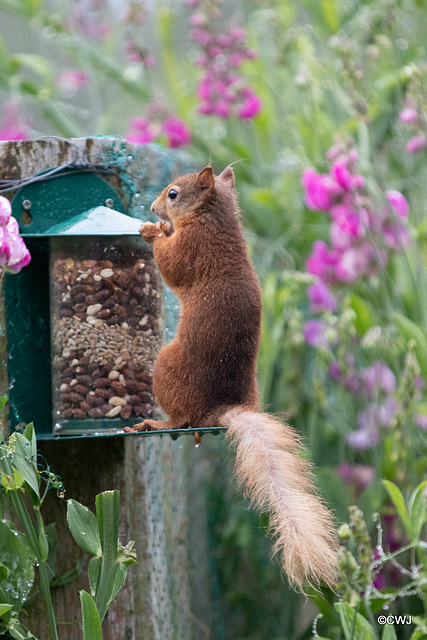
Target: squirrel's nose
152,208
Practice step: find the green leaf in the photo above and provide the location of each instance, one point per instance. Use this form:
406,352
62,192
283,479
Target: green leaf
93,573
418,509
354,625
398,501
11,483
108,512
90,618
364,318
389,633
3,572
330,14
84,527
19,564
4,608
411,331
18,631
30,434
25,461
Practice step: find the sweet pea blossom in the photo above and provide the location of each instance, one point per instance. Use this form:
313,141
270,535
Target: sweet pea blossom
177,132
361,233
409,114
14,255
321,299
416,143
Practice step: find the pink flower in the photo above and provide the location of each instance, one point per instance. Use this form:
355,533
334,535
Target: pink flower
72,79
177,132
354,262
409,114
250,107
140,132
321,299
345,228
342,175
19,255
316,191
5,211
11,127
398,203
4,247
416,144
322,262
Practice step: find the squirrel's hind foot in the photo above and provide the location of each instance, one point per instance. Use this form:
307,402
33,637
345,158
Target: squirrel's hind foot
150,425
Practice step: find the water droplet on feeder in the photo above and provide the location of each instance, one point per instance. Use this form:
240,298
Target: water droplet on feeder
197,440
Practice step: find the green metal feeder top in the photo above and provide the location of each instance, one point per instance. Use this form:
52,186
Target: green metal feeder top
99,221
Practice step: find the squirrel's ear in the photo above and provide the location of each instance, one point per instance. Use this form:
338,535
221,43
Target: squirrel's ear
206,178
227,176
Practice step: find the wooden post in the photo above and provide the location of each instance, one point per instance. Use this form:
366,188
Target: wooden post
166,596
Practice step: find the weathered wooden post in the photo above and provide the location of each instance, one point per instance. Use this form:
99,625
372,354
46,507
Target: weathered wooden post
167,594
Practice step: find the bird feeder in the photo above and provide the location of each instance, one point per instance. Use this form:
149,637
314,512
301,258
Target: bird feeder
85,320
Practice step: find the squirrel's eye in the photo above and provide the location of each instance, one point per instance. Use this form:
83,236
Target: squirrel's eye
172,194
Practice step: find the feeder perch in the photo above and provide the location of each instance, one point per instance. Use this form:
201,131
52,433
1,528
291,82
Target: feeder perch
85,320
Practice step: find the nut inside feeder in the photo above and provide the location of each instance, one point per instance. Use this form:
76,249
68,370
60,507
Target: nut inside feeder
107,322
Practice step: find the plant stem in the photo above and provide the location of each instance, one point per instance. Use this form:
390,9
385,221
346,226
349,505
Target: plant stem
23,515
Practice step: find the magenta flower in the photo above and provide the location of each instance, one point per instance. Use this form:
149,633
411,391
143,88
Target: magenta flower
250,108
342,175
13,253
416,144
321,299
316,190
177,132
11,127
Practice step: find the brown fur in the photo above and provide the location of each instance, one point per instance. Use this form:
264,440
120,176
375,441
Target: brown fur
207,375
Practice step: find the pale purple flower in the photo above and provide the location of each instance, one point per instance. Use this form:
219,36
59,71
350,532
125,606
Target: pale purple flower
378,377
362,439
360,475
416,144
177,132
321,299
334,370
421,421
315,333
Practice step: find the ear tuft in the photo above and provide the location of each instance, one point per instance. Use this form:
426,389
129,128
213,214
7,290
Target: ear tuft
227,176
206,178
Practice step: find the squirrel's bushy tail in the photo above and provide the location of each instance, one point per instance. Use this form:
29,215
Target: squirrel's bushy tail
277,480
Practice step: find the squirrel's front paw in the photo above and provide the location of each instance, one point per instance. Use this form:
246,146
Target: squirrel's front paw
149,230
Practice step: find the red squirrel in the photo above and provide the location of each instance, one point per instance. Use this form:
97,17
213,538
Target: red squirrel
206,377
